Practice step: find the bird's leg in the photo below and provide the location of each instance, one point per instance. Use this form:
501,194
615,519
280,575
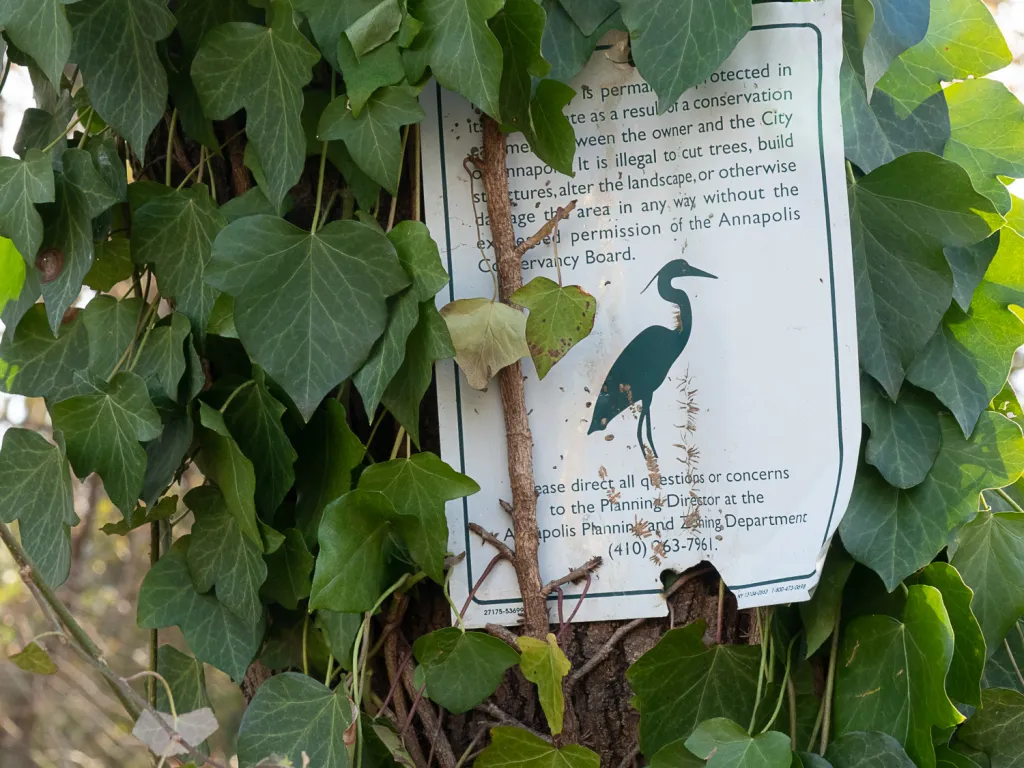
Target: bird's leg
650,434
640,431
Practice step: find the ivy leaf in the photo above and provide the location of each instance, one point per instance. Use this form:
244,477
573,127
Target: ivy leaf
34,658
103,427
676,755
35,364
340,631
293,715
519,27
964,679
428,342
308,307
969,266
328,453
566,47
588,14
516,747
905,435
111,326
420,258
962,40
373,138
996,729
726,745
545,665
254,419
680,683
112,263
897,25
115,46
891,675
223,462
551,135
189,728
678,43
197,17
187,679
902,215
12,272
460,49
174,232
375,27
989,555
215,635
820,613
414,492
987,130
81,194
242,65
140,516
22,184
350,569
966,362
161,362
895,531
289,570
222,557
462,669
39,28
363,187
35,489
487,336
864,749
559,319
164,455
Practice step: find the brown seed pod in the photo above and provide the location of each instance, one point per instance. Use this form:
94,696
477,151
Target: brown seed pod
50,264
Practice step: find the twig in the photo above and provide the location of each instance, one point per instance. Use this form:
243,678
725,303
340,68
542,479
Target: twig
549,226
479,583
721,611
583,596
791,691
505,718
502,633
574,576
401,711
494,541
445,754
1013,661
829,684
630,759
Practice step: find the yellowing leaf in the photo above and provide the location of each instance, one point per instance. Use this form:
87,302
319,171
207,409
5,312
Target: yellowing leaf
34,658
487,335
559,319
545,665
12,272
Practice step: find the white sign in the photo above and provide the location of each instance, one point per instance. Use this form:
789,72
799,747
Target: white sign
716,239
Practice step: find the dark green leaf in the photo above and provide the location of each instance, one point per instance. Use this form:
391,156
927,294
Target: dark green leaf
820,613
294,716
363,187
161,362
140,516
588,14
375,27
284,646
902,215
514,747
462,669
35,364
676,755
565,46
34,658
215,635
187,679
340,631
726,745
40,29
867,749
969,266
551,135
115,46
241,65
164,455
23,183
681,682
1001,667
898,25
905,435
420,259
288,571
308,307
35,489
891,675
678,43
197,17
103,427
519,27
545,665
559,319
111,264
997,729
388,353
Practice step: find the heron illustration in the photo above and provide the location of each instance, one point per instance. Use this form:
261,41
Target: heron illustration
645,362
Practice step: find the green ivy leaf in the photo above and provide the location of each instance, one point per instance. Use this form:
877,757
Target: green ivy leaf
12,272
966,362
39,28
241,65
375,27
559,319
328,453
112,263
565,46
373,138
413,493
897,25
460,49
487,335
680,683
962,40
115,46
820,613
187,679
35,490
588,14
308,307
340,631
895,531
964,679
891,675
867,749
519,748
676,755
726,745
293,715
428,342
164,455
223,462
111,326
222,557
1001,667
35,364
462,669
551,135
996,728
254,418
902,215
103,427
519,28
678,43
905,435
140,516
969,265
173,231
161,362
363,187
989,555
197,17
545,665
167,598
23,183
289,570
34,658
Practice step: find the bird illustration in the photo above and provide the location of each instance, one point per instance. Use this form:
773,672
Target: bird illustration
645,362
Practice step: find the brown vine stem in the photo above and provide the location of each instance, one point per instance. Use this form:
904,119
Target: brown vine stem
513,396
549,228
574,576
829,685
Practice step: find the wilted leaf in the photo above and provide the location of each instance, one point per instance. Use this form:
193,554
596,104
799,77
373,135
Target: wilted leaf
487,335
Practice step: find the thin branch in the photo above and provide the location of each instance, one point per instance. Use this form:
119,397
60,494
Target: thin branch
829,685
549,226
630,759
503,717
494,541
574,576
575,610
502,633
479,583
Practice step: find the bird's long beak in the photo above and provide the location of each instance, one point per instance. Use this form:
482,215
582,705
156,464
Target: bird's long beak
650,283
694,272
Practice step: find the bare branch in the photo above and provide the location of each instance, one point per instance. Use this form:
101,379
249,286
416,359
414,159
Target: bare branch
549,226
494,541
574,576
